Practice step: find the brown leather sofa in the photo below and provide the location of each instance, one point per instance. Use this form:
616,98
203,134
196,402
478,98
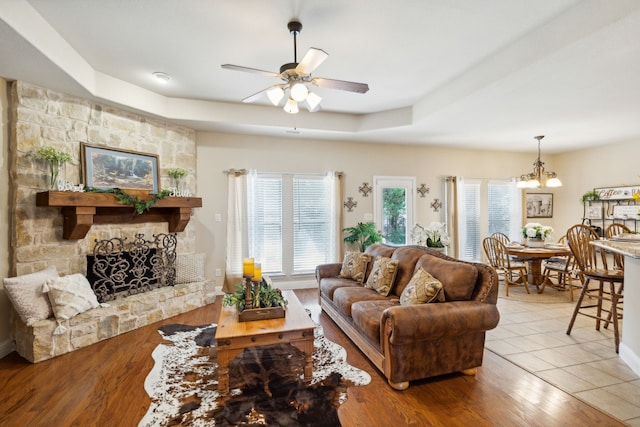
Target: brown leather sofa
411,342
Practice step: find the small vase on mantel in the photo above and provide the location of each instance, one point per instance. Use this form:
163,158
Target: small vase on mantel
535,243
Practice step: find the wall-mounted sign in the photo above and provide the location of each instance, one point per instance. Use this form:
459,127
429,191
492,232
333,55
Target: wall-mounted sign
617,193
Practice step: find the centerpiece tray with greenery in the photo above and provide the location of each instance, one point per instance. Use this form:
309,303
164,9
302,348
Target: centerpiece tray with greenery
267,301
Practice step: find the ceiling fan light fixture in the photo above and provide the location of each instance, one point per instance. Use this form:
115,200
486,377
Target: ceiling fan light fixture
275,94
299,91
291,106
313,101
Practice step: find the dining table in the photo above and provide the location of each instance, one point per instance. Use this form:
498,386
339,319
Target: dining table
534,256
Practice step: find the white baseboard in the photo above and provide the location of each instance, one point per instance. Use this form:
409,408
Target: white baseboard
630,358
7,347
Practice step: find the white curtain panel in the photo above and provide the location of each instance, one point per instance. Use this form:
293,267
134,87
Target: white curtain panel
237,246
335,184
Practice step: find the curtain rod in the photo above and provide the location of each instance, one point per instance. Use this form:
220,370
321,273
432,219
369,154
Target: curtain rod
238,172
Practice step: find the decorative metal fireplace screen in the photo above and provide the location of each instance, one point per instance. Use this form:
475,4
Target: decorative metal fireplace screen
120,268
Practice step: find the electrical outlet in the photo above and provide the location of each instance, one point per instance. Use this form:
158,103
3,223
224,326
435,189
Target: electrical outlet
217,217
218,272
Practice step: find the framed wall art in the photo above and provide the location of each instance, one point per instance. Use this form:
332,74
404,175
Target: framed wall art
539,205
114,168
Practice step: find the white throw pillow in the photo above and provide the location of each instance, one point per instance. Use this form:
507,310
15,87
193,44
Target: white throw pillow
70,295
189,268
27,296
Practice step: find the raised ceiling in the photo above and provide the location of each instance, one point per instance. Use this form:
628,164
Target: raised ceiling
485,74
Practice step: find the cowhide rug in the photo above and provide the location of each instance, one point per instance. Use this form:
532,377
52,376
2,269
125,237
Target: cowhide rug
266,383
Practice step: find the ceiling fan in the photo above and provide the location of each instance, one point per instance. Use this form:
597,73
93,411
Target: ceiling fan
296,75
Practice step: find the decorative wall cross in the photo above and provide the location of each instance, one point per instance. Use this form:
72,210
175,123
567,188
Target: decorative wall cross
350,204
365,189
436,205
423,189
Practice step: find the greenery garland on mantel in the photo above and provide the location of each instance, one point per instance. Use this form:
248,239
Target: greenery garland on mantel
139,205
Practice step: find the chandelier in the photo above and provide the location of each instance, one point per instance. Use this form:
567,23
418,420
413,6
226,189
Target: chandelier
539,178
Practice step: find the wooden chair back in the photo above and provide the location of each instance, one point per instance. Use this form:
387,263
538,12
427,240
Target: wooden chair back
585,254
501,236
611,231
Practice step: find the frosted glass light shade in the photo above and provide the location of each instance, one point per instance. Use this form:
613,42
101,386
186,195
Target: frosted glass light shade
291,106
313,101
553,182
275,94
299,91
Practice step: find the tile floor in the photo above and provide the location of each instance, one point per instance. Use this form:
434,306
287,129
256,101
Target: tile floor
533,336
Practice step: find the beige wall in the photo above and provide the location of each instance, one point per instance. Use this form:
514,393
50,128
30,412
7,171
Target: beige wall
359,161
610,165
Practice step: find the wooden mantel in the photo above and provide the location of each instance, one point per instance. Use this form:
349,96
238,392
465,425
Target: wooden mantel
82,210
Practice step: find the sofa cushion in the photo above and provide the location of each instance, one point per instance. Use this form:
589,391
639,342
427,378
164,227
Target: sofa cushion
25,292
354,266
422,288
407,257
367,316
328,285
343,298
70,295
377,250
458,278
383,274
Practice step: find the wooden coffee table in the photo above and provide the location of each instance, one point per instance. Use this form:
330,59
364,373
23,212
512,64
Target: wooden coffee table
232,336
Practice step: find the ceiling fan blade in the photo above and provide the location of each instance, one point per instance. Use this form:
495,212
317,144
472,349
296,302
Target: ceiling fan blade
312,59
340,85
249,70
255,96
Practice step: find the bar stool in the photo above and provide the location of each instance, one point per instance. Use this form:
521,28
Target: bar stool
586,255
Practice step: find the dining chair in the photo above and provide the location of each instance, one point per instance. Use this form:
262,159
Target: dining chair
564,270
614,230
514,273
506,240
592,266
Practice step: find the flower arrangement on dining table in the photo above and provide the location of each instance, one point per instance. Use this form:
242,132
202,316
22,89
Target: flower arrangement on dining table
534,230
433,236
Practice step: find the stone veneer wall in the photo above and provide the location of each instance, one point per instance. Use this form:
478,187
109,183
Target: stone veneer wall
44,117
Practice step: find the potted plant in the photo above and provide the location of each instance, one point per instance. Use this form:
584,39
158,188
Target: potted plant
177,174
536,233
590,196
55,157
363,235
267,301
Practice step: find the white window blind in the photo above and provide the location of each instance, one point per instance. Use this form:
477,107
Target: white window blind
471,248
265,223
310,223
499,207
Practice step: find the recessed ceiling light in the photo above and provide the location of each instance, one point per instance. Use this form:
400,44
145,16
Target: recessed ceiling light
162,77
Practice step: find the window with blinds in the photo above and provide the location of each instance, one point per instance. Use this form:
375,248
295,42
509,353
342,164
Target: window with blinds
289,220
499,206
489,206
472,244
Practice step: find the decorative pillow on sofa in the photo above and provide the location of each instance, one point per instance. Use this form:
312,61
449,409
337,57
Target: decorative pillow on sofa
70,295
25,292
382,275
354,266
422,288
189,268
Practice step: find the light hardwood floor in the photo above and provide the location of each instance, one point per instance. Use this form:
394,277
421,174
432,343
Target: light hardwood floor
102,385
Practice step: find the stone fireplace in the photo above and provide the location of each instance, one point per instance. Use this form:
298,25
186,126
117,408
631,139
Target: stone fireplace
39,117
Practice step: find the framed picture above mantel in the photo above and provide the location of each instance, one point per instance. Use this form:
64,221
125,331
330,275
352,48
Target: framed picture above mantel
114,168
